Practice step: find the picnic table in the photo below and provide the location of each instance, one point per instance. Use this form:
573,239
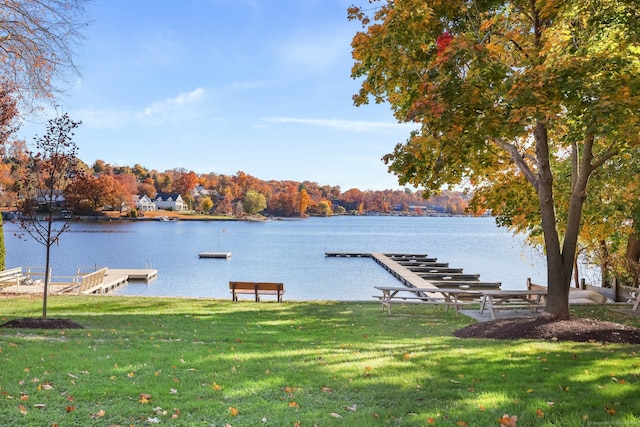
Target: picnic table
409,295
495,300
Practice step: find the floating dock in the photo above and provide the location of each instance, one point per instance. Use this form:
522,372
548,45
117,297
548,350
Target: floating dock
224,255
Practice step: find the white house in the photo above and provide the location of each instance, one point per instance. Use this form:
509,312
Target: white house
170,201
144,204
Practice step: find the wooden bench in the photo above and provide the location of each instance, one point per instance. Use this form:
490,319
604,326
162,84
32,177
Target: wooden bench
408,295
256,289
12,276
494,300
82,283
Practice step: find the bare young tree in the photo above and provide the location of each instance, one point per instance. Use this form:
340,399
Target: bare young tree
50,169
37,40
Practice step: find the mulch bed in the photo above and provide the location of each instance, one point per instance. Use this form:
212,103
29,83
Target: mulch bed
542,328
40,323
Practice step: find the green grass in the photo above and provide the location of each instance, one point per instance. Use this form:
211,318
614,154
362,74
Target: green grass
195,362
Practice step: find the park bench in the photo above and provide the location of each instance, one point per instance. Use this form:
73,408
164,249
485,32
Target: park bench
257,289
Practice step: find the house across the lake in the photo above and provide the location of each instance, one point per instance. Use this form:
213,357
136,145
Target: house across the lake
170,201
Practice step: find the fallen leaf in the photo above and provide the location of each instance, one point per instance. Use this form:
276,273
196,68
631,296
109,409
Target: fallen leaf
509,421
216,387
326,390
71,408
233,411
144,398
334,415
22,409
539,413
99,414
293,404
40,405
352,408
610,411
173,391
153,420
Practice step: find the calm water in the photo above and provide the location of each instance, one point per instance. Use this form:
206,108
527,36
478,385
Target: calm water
290,251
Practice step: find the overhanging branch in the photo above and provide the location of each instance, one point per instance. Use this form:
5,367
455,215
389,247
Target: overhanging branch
519,159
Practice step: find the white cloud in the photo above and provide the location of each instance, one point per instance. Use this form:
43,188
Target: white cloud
173,109
351,125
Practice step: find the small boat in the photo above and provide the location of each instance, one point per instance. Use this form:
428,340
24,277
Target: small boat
224,255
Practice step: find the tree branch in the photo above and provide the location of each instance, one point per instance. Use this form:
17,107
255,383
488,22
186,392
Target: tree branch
518,159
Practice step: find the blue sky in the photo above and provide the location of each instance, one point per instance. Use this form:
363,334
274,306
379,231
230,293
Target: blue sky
260,86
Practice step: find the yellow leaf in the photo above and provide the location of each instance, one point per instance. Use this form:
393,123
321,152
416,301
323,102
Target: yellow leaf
293,404
539,413
233,411
216,386
22,409
461,423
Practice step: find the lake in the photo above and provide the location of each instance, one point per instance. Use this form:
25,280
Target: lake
289,251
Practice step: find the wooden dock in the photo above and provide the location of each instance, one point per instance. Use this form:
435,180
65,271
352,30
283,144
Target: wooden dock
73,285
422,271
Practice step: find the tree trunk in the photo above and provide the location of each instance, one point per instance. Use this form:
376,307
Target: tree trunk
558,282
632,255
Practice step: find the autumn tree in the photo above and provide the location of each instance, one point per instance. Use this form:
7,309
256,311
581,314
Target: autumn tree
206,204
50,169
37,38
185,182
92,194
145,189
503,91
254,202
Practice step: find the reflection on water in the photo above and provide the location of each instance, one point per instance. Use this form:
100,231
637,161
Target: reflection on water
282,251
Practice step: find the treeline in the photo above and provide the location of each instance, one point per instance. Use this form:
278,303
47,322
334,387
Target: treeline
106,187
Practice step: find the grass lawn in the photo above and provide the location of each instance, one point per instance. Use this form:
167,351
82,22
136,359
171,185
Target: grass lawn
202,362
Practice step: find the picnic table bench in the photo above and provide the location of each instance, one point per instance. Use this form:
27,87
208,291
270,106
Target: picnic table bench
12,276
636,303
256,289
407,295
495,300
